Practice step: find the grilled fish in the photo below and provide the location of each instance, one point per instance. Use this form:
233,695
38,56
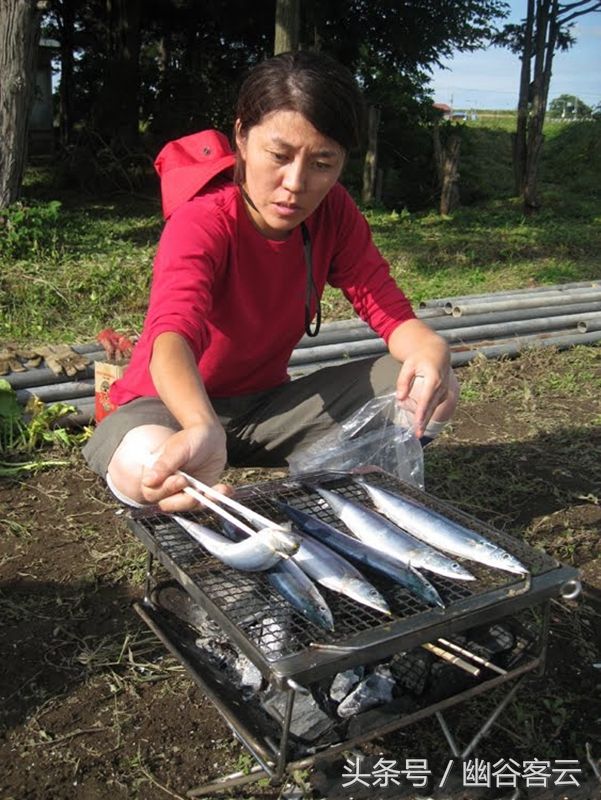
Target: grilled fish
335,573
379,532
362,553
440,532
298,589
289,580
255,554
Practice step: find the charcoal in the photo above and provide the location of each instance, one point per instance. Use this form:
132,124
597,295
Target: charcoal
493,639
250,679
446,680
172,598
411,670
381,715
308,722
344,682
375,690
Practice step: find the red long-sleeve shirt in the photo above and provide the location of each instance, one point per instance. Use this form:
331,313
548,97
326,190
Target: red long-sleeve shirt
239,298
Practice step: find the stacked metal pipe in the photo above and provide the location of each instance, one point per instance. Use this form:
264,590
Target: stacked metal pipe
491,325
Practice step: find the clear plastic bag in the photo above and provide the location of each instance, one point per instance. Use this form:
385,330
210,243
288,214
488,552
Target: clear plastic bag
378,434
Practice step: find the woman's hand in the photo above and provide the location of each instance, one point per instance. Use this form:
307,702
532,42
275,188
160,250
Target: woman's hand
200,451
200,447
426,385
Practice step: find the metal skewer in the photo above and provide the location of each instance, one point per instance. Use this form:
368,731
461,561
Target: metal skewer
468,654
446,656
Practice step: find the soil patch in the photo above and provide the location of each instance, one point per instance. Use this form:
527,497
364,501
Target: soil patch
93,707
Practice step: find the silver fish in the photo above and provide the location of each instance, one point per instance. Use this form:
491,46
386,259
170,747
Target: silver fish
300,591
337,574
289,580
379,532
440,532
363,554
255,554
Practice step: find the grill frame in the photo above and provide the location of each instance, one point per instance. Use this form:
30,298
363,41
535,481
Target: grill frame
276,758
504,594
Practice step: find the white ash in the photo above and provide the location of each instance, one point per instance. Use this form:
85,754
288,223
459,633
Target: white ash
249,676
344,682
273,637
374,690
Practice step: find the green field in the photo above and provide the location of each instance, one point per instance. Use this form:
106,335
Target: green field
71,264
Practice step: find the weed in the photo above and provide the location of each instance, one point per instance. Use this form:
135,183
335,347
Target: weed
538,373
13,526
245,763
26,430
30,230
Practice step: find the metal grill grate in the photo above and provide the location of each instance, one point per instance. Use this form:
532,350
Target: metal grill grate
270,632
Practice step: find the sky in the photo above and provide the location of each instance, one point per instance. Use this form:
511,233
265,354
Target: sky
490,78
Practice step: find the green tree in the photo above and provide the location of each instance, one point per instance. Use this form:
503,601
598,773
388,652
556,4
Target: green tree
287,24
568,106
172,67
546,28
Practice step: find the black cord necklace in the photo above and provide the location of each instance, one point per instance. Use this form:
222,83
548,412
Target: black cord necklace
311,290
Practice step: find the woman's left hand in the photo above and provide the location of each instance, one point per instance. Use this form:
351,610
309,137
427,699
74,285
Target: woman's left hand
426,385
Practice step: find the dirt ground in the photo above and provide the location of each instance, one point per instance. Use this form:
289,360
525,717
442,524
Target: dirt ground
93,707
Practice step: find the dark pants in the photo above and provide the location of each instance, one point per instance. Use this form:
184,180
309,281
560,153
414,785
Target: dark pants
264,429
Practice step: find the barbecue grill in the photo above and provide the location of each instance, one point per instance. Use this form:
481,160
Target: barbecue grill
297,658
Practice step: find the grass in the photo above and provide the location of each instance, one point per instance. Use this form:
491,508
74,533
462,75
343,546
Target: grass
96,273
577,373
90,265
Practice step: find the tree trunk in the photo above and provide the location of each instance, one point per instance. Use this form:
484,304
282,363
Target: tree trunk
519,142
287,26
447,166
19,36
544,20
371,156
66,21
449,190
116,111
545,40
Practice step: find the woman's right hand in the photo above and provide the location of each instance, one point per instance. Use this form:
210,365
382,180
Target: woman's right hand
199,450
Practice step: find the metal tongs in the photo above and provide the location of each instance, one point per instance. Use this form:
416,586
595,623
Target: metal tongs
211,498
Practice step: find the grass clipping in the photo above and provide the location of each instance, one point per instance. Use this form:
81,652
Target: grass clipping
25,430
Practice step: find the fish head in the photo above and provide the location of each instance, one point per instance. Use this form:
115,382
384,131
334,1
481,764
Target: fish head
510,563
452,569
368,595
281,539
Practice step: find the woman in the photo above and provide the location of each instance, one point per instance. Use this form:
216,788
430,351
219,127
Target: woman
237,279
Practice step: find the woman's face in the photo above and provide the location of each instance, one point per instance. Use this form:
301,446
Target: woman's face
289,168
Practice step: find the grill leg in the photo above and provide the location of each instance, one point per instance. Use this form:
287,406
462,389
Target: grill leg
149,579
281,763
483,730
490,721
228,781
448,735
546,624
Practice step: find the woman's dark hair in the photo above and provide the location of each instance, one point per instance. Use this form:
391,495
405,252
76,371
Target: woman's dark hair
315,85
